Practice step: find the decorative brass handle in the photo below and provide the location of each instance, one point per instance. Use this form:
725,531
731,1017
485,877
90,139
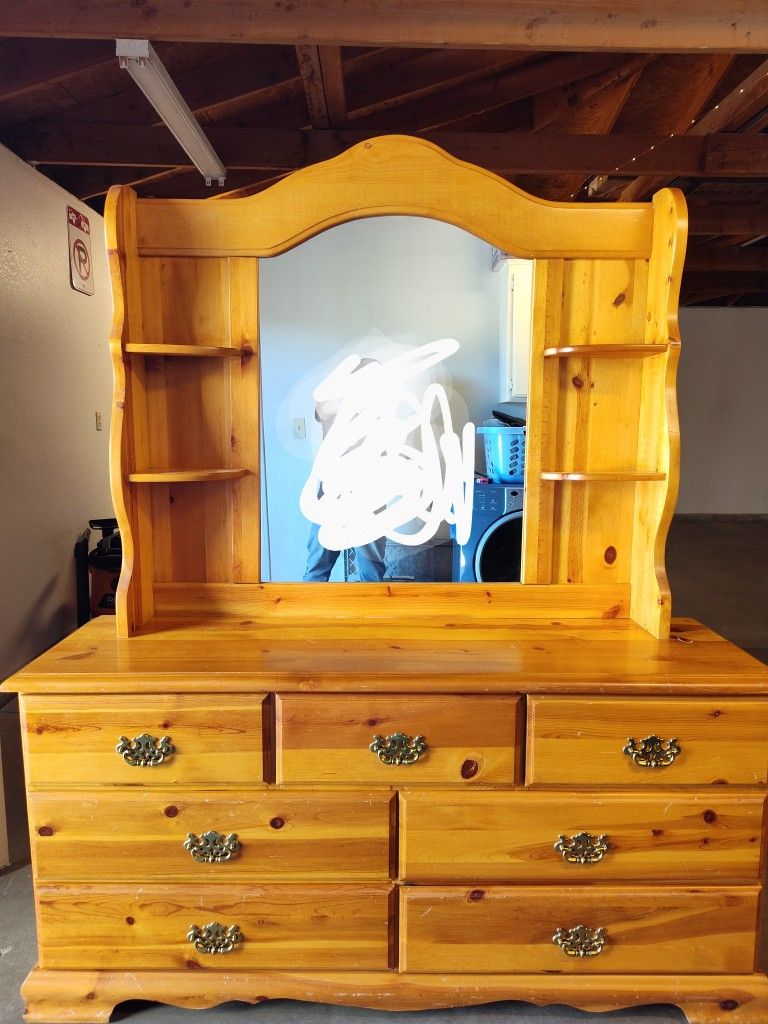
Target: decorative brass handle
214,937
398,748
583,848
652,752
580,941
145,751
212,847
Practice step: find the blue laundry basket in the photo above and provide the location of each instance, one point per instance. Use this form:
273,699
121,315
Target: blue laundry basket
504,453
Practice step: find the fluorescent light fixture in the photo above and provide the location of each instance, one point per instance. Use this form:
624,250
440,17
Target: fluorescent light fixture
141,62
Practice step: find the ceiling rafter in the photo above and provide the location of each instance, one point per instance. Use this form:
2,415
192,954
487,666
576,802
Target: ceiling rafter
451,105
726,112
548,152
323,80
27,64
674,25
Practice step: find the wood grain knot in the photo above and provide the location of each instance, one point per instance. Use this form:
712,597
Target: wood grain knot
476,895
469,769
729,1004
45,830
277,822
610,555
577,382
709,817
373,722
130,920
656,832
166,725
171,812
619,299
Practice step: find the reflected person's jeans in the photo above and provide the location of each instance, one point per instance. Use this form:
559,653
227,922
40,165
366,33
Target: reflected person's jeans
320,561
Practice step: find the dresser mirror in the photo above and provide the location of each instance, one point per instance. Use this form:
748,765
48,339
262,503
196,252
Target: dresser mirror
394,369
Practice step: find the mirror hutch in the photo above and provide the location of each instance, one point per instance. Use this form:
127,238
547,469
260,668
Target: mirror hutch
396,795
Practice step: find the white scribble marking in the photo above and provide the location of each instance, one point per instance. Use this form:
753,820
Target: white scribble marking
384,464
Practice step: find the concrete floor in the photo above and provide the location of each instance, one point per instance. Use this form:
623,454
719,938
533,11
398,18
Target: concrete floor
719,575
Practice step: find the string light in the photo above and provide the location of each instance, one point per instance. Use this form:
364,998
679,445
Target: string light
649,149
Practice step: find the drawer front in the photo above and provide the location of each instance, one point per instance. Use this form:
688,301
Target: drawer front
466,739
584,742
635,837
280,926
213,740
118,836
503,929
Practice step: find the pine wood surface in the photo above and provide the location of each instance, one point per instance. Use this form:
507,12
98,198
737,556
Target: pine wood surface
72,742
118,836
187,273
663,837
569,656
283,926
650,930
88,997
579,741
327,738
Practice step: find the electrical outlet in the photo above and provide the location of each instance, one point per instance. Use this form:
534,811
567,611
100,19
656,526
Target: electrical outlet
98,421
299,429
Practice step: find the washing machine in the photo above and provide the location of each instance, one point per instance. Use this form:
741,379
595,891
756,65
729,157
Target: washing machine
492,553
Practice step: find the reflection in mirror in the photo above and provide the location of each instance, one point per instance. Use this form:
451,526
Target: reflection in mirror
394,377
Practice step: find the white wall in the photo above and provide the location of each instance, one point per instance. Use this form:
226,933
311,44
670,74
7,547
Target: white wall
54,374
723,397
405,279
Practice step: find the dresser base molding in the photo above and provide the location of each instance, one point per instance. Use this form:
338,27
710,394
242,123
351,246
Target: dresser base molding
89,997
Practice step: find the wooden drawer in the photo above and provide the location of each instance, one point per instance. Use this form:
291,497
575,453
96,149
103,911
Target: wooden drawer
328,738
581,741
505,929
293,927
511,837
72,740
118,836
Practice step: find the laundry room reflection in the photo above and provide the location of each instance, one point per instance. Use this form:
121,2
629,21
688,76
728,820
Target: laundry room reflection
394,377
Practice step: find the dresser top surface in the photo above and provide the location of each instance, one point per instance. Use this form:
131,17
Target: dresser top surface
584,656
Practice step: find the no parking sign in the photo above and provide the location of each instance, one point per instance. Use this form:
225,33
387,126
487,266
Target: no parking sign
80,262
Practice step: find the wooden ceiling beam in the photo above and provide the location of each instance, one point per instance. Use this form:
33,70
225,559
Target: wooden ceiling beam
412,74
722,117
503,152
725,282
554,103
727,218
323,81
715,261
451,105
27,64
667,26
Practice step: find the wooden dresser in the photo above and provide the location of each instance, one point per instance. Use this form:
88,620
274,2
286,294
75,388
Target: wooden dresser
573,814
396,795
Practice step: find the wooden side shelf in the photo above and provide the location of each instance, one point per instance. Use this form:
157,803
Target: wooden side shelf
187,476
620,475
606,351
195,351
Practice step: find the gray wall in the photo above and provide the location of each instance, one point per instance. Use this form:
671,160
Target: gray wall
55,374
723,398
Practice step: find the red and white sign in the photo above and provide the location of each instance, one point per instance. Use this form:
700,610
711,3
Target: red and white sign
80,261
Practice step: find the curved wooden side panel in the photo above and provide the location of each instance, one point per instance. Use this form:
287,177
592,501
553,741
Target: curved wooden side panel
393,175
77,997
659,442
120,220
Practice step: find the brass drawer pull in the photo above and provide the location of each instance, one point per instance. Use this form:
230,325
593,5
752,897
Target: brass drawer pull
583,848
214,937
145,751
580,941
398,748
652,752
212,847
